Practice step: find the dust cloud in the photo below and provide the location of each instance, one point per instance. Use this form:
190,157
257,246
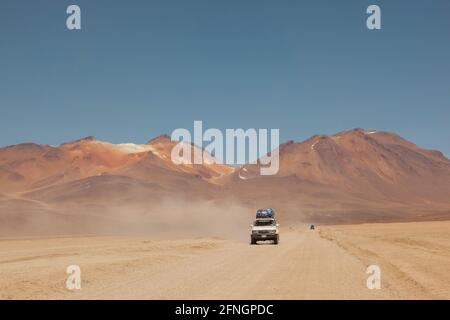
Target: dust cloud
167,219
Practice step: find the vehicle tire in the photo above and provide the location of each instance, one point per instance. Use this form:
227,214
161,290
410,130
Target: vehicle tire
277,239
252,241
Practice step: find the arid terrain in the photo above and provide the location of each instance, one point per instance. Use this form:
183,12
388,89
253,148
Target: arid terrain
327,263
140,226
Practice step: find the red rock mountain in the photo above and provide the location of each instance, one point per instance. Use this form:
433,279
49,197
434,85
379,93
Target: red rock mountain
31,166
357,172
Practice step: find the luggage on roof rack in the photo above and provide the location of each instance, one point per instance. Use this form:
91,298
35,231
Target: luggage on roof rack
265,213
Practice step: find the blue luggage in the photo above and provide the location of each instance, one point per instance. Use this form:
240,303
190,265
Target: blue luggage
265,213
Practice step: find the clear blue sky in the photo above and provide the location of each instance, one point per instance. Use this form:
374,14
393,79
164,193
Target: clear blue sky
141,68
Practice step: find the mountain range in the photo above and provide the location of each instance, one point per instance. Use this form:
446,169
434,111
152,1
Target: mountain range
349,177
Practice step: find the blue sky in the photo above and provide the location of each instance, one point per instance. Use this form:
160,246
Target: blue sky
141,68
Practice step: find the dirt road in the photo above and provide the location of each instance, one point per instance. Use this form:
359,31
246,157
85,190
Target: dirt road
304,265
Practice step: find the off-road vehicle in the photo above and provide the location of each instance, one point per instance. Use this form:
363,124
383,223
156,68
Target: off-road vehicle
265,229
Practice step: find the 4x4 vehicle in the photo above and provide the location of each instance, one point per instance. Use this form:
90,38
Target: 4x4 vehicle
265,229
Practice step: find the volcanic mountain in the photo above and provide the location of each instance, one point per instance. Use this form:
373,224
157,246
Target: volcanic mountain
352,176
356,175
31,166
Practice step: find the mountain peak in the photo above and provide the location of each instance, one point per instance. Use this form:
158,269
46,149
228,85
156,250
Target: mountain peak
85,139
160,138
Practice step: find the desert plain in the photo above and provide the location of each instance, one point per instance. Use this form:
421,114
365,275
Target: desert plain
327,263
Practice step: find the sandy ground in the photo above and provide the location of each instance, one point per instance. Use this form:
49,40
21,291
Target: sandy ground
328,263
414,257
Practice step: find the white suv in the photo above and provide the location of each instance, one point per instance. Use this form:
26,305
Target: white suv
265,229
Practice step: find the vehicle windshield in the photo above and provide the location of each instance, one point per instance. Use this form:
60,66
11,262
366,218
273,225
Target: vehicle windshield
264,223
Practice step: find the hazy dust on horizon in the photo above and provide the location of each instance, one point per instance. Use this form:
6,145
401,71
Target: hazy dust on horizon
169,218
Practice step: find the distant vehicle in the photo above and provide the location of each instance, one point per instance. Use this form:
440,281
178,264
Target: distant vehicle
264,229
311,227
